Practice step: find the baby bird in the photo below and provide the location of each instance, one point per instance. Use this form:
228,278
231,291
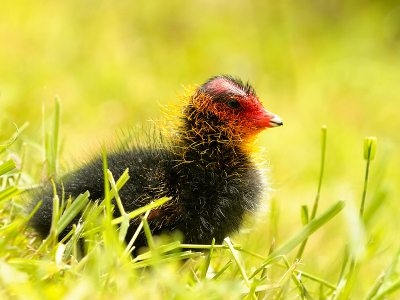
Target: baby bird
204,163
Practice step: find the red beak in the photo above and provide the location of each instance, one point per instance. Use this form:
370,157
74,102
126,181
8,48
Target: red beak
264,118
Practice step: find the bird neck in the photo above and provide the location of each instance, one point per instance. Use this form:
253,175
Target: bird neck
204,138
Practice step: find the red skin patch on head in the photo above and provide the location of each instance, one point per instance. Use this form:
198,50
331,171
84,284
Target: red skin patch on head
213,97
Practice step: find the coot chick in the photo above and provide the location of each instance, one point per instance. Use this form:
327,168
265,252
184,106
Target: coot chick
205,163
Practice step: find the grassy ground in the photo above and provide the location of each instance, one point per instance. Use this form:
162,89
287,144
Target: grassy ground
313,64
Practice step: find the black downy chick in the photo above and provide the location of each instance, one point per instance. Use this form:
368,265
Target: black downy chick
205,165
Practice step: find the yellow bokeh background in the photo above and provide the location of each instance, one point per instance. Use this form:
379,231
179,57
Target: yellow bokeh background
313,63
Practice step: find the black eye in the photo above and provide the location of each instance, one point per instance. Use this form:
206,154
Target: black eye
233,103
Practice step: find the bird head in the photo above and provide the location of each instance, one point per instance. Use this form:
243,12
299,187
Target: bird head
235,105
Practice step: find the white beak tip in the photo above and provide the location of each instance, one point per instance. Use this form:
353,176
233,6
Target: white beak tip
275,122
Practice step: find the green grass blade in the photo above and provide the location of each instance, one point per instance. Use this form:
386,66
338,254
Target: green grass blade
236,258
120,183
309,229
263,288
323,152
304,215
274,218
149,237
264,273
208,260
375,288
394,286
115,190
315,207
124,227
166,258
7,166
55,217
354,269
56,132
14,138
392,270
23,159
224,268
254,284
8,193
8,232
369,154
355,264
143,209
49,157
299,285
344,264
285,280
132,214
129,248
76,206
107,197
125,217
317,279
304,220
266,264
194,246
44,149
160,250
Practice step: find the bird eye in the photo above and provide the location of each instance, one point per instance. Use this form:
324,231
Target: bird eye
233,103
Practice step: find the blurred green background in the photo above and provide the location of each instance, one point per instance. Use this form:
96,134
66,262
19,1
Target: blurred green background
313,63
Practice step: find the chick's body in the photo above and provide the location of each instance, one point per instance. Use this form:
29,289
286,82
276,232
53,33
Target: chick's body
205,165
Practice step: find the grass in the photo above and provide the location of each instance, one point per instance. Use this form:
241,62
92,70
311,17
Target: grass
312,63
34,269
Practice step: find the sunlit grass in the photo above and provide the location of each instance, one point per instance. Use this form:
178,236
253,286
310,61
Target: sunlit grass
168,269
312,63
